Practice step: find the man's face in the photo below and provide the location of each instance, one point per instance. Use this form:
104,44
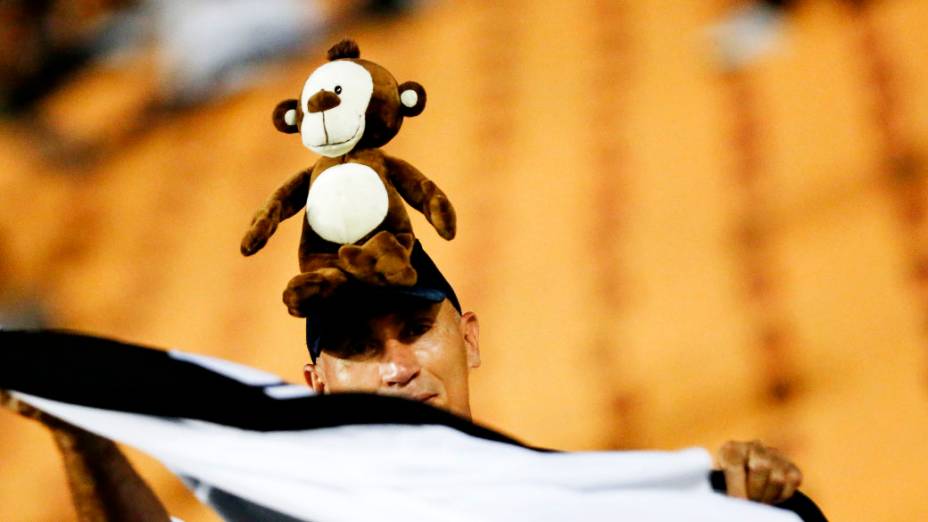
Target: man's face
418,351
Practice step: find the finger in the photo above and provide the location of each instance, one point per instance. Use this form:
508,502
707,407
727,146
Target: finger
731,457
786,473
759,466
12,403
775,485
793,480
8,401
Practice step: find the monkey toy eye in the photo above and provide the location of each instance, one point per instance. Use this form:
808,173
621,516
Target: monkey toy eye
338,89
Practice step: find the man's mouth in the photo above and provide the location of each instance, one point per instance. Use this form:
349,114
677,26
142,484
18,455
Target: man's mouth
419,397
427,398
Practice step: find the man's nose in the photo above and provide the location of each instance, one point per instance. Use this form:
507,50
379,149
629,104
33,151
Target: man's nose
323,101
399,364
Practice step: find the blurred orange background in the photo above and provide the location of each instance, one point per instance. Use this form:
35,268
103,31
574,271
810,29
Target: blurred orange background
664,251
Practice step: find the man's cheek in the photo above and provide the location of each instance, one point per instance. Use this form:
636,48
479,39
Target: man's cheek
446,356
445,362
348,376
436,350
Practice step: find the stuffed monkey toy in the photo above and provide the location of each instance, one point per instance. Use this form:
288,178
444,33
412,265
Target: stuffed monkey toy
356,223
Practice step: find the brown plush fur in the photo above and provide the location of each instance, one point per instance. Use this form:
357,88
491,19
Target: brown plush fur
382,256
278,116
346,48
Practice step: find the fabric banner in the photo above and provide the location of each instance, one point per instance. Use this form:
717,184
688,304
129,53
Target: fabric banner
256,448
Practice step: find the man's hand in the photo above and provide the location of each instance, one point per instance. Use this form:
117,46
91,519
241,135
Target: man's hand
104,486
9,402
17,406
756,472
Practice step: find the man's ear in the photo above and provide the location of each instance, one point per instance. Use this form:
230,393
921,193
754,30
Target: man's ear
412,98
285,116
470,327
314,377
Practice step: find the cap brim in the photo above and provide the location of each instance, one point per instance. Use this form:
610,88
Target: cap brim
431,286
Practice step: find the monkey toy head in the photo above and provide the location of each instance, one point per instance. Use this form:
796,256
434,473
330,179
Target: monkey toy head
349,103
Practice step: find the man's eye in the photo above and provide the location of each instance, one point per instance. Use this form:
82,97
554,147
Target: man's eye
353,349
363,348
417,329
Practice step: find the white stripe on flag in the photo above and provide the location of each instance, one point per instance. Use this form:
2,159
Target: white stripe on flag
402,473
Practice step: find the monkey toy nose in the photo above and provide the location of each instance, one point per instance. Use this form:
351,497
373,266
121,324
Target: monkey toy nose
323,101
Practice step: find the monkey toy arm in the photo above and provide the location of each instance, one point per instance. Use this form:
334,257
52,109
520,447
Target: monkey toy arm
424,195
283,203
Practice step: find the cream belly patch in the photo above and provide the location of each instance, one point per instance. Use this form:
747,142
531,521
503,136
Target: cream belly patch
346,202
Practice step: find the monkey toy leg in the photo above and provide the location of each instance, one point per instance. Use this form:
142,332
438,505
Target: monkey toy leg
382,260
321,279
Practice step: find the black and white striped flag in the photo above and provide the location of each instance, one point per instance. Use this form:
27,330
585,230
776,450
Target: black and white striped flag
256,448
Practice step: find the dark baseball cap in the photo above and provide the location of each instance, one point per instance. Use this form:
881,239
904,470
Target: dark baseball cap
431,287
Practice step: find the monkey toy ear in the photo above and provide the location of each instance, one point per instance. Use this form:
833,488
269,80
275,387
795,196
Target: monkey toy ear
285,116
412,98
